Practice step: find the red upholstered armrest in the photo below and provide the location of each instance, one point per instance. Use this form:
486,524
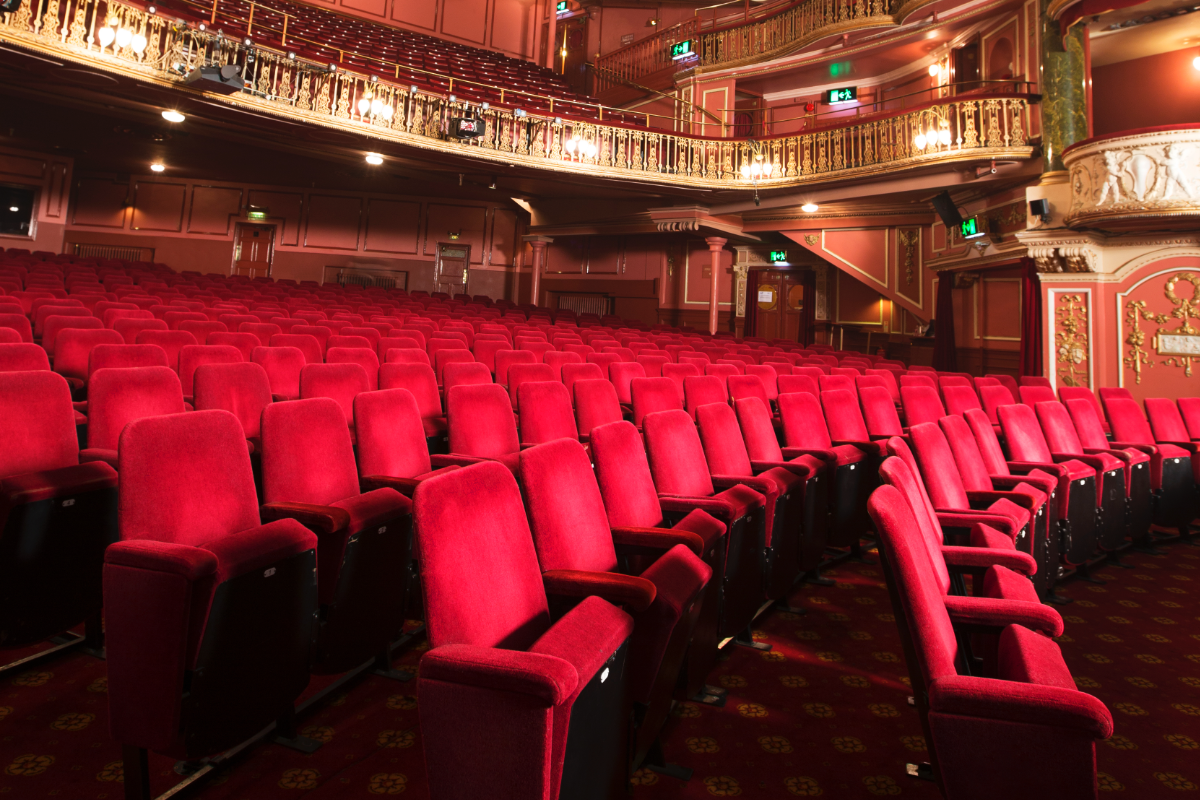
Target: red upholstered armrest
1026,703
976,558
405,486
191,563
967,519
986,536
1145,448
870,448
33,487
1021,467
90,454
627,590
322,519
716,506
547,678
1018,498
761,485
1091,460
657,539
797,466
1006,481
999,614
454,460
828,456
1103,451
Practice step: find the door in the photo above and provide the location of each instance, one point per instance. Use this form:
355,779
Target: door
452,268
780,296
254,246
792,298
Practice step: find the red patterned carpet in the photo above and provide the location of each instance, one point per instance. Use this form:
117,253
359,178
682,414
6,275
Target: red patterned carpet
823,714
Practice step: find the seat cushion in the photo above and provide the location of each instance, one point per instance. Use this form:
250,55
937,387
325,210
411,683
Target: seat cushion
372,509
1028,657
1004,584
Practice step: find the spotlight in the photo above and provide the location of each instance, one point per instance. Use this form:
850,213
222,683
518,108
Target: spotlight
374,159
453,98
291,56
203,27
333,67
484,105
809,208
14,209
158,167
247,41
934,70
152,9
413,88
173,116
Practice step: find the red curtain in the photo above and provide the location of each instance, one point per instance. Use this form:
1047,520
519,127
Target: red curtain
1031,320
945,352
750,328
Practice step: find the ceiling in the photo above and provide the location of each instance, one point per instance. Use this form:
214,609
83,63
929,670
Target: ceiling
1147,29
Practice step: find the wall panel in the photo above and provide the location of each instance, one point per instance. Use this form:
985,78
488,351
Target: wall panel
392,226
504,238
333,222
285,206
469,222
212,207
158,206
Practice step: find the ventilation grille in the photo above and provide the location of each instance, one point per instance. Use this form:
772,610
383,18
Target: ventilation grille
115,252
586,303
367,278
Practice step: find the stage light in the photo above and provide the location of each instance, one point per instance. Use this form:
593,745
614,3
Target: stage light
171,115
374,159
158,167
809,208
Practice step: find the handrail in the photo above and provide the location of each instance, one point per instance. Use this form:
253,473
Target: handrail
672,97
150,49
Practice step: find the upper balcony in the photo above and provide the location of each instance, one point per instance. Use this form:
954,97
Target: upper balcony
530,131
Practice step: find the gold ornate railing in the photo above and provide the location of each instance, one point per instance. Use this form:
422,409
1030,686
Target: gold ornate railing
164,52
775,34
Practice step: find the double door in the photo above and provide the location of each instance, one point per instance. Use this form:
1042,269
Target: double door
780,297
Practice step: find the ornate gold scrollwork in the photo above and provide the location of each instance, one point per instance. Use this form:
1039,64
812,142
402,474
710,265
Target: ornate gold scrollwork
1071,340
908,240
1135,312
1181,344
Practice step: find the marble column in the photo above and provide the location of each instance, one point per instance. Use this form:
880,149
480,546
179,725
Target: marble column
1063,86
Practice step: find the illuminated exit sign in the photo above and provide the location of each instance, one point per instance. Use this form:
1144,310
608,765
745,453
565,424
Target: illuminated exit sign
847,94
681,50
972,228
779,255
562,6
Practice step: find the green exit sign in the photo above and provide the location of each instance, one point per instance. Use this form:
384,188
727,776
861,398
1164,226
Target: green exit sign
971,228
846,94
779,255
562,6
681,50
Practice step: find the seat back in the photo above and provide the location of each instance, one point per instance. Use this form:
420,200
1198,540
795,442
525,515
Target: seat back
117,397
362,356
721,438
192,356
1189,409
595,404
506,358
1086,419
1023,434
318,332
740,386
418,379
1033,394
243,390
1165,420
967,457
572,373
988,441
75,346
407,355
338,382
915,379
935,644
265,330
843,417
244,342
836,383
921,404
117,356
653,394
57,324
37,423
702,390
959,398
566,512
993,397
879,412
938,469
556,360
677,373
798,383
889,381
441,358
172,343
472,531
546,412
519,374
391,439
283,366
341,340
803,423
201,329
758,432
23,357
1057,428
481,421
652,363
1066,393
306,453
676,455
621,374
1035,380
462,373
901,470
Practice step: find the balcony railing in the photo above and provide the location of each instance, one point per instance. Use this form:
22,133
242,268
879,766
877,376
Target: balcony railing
972,128
774,34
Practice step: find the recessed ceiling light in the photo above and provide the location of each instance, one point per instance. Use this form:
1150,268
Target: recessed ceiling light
171,115
809,208
13,209
157,167
374,159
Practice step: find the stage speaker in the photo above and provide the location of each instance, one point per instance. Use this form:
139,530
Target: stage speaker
946,209
226,79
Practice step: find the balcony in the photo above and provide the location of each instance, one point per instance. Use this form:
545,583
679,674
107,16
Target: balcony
1147,178
388,114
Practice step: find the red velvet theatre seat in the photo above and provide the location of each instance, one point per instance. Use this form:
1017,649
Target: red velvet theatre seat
209,613
1171,472
117,397
573,541
514,706
364,539
57,515
243,389
482,427
1021,729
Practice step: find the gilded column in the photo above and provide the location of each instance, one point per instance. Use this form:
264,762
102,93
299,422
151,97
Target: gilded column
1064,92
715,246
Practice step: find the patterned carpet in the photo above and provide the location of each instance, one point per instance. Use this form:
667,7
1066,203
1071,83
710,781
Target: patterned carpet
822,714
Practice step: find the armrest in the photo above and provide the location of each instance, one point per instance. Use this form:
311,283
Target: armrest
627,590
763,486
828,456
454,460
987,612
869,448
547,678
968,519
975,558
1026,703
798,467
1020,467
1092,461
986,536
1019,498
1145,448
717,507
191,563
405,486
657,539
98,454
322,519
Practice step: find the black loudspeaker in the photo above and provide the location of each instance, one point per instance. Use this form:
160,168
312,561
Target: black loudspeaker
226,79
946,209
9,6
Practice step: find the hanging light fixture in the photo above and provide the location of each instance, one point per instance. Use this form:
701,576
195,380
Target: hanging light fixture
108,33
364,103
138,43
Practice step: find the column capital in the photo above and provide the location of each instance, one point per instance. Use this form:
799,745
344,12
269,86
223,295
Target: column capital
537,239
715,242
